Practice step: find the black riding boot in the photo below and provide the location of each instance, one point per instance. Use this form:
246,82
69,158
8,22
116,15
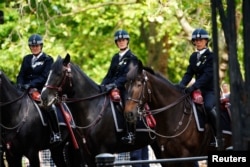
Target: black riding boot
130,136
213,122
54,127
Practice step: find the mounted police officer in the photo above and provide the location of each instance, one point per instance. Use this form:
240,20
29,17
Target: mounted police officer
115,78
201,66
33,75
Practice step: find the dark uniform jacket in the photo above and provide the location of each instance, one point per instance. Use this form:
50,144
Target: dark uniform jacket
36,76
118,70
203,71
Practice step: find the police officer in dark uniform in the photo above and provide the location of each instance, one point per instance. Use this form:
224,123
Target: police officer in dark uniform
201,66
116,76
33,74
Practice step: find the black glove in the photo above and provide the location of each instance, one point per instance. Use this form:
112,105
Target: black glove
110,86
26,86
189,90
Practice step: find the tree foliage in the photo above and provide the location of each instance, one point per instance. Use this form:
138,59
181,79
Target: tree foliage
85,29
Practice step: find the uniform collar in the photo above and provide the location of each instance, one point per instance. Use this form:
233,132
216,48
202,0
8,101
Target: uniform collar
38,56
121,54
202,51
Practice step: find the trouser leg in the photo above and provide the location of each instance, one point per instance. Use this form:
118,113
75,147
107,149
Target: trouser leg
54,126
213,122
130,128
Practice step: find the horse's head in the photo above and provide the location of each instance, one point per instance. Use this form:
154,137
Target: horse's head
58,81
138,89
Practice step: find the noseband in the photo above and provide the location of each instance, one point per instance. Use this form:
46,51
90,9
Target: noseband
67,74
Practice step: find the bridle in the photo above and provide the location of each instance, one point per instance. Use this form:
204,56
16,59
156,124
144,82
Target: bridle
142,100
67,74
145,89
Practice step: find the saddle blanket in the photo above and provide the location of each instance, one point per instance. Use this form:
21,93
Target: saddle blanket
224,118
59,114
120,123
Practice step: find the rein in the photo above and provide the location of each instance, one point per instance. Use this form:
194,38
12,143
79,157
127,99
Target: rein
156,111
74,100
23,120
2,104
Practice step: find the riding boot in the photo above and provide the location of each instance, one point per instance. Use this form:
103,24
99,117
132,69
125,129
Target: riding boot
130,136
213,122
54,126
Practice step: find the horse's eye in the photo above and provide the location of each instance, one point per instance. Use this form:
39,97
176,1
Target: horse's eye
139,84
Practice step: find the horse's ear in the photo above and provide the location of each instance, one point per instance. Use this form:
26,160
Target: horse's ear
66,60
58,57
140,66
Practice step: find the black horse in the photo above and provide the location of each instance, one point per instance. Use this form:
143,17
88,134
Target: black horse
91,109
23,132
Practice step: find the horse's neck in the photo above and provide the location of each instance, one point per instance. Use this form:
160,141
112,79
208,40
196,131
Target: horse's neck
14,111
83,85
164,94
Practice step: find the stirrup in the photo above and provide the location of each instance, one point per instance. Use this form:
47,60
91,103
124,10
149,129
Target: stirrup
129,139
214,143
55,137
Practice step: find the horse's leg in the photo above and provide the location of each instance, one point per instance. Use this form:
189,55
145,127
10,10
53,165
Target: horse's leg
33,157
57,155
157,150
14,161
4,161
75,157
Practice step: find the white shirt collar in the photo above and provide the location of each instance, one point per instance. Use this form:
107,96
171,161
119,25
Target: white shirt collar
202,51
37,57
121,54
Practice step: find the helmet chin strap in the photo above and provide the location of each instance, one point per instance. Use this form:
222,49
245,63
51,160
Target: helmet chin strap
122,49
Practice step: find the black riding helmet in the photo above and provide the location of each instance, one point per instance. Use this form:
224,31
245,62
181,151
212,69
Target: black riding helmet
200,33
35,39
121,34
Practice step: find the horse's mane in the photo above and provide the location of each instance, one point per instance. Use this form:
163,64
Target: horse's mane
149,69
60,62
136,69
6,84
6,79
163,78
158,75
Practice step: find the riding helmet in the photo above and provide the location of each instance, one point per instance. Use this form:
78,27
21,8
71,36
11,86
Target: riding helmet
200,34
35,39
121,34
